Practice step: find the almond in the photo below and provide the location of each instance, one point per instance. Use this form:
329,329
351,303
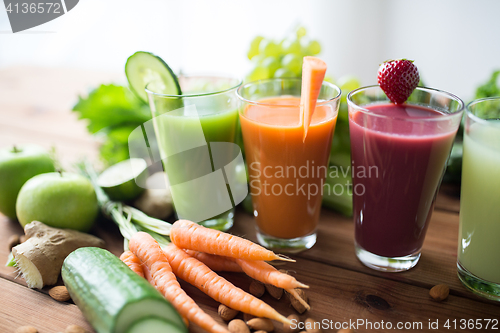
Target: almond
295,302
257,288
60,294
26,329
274,291
262,324
440,292
238,326
295,320
75,329
13,241
226,313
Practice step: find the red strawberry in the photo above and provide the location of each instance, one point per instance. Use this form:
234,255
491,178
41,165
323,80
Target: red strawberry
398,78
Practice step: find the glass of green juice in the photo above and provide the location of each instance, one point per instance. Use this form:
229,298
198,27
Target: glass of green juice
195,134
479,233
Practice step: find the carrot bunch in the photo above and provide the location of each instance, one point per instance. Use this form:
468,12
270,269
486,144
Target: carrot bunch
195,253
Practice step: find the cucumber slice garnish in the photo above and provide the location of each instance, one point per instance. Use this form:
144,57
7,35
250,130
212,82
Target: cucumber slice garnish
119,180
143,68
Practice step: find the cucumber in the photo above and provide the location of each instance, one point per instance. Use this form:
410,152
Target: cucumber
121,180
113,298
152,325
143,68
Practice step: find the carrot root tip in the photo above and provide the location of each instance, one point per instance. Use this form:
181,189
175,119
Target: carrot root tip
285,258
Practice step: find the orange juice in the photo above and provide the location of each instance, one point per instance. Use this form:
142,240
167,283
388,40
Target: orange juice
286,172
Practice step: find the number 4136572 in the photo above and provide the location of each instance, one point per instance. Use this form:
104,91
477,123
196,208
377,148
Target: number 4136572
471,324
40,7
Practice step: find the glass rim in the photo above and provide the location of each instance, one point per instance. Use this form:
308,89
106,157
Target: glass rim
477,101
459,111
238,92
203,94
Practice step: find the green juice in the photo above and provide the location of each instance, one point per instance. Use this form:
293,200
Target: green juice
185,138
479,232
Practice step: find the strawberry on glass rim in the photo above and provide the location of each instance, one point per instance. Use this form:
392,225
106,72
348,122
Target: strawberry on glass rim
398,78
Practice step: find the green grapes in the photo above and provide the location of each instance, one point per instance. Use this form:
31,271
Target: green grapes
271,58
254,47
292,46
314,47
258,59
284,72
272,64
301,32
269,48
293,63
258,73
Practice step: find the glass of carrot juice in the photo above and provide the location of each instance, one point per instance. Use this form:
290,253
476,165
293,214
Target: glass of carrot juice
286,171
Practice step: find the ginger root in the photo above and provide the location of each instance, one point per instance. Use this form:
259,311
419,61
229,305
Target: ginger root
41,257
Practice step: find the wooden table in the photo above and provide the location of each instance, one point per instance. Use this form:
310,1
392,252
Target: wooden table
34,108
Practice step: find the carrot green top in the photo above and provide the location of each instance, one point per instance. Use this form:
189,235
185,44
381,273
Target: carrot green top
188,235
313,73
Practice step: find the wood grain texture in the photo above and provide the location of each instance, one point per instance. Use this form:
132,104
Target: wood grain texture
342,289
21,306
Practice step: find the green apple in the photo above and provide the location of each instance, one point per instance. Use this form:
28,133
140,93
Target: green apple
17,165
60,200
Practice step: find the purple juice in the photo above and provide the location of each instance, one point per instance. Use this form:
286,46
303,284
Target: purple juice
398,161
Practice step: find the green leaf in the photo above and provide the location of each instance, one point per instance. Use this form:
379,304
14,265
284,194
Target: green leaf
490,88
112,112
115,147
111,105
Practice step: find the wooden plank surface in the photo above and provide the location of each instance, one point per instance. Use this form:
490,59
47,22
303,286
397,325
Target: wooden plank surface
342,289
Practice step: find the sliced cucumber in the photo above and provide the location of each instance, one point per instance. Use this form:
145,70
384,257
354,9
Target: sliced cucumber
112,297
119,181
143,68
153,325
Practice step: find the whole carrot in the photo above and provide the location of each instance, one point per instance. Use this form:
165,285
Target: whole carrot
135,264
199,275
216,263
150,253
265,273
189,235
132,262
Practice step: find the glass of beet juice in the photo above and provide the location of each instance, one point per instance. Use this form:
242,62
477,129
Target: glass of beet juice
399,154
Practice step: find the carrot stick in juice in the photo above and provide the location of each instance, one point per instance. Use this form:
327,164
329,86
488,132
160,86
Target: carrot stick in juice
313,73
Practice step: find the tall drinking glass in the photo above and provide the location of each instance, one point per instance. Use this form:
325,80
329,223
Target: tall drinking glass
479,233
286,171
399,155
195,132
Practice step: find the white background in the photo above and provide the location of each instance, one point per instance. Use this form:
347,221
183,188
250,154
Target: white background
455,43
